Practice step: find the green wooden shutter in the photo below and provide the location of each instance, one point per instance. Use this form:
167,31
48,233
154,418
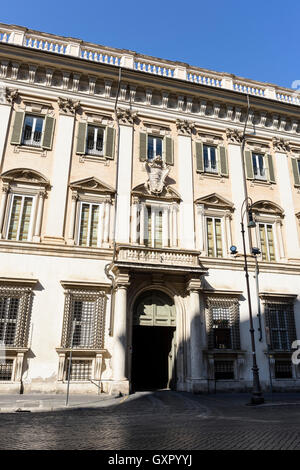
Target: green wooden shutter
143,146
271,168
18,128
169,151
199,157
295,172
110,143
249,165
223,161
81,138
48,133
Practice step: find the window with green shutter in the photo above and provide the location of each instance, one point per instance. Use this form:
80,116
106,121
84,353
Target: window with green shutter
16,136
48,133
81,138
110,143
296,170
199,157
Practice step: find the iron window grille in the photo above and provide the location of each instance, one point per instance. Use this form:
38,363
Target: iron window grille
283,369
81,370
6,369
280,322
15,305
223,324
224,370
83,325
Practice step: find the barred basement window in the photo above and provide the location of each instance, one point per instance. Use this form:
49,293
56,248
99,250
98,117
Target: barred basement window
83,320
223,324
280,322
80,369
6,368
283,370
14,316
224,370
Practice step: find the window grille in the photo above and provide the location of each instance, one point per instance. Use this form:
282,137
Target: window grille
83,319
80,369
223,324
283,370
224,370
15,303
6,368
280,322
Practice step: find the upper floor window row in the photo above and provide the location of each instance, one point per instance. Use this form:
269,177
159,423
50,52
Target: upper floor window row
33,130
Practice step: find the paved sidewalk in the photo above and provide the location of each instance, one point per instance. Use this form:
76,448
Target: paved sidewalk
53,402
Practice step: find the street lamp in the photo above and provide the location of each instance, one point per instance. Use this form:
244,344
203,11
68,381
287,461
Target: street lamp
257,396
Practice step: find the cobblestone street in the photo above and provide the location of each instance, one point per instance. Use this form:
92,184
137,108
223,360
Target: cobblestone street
160,420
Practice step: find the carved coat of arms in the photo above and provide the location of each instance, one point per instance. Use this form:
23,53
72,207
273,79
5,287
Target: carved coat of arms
157,172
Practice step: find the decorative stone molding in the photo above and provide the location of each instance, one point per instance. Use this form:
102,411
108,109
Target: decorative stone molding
11,95
268,207
234,136
67,105
91,184
281,145
157,172
126,116
185,127
180,102
25,175
215,200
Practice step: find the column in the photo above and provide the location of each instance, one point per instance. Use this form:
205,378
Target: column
71,234
228,231
119,379
134,234
142,223
165,227
196,343
106,221
5,191
285,186
5,112
60,178
124,184
174,225
38,222
200,227
185,183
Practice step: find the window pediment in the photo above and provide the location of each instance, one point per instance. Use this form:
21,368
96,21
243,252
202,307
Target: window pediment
215,200
25,175
92,184
167,194
268,207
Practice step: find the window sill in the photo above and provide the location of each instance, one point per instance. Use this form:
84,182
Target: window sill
27,149
255,182
217,176
94,158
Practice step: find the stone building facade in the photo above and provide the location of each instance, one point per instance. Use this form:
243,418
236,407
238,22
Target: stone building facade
122,181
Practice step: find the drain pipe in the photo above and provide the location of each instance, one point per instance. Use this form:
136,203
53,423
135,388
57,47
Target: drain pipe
108,267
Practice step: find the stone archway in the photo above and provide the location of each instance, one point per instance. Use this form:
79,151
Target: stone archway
153,342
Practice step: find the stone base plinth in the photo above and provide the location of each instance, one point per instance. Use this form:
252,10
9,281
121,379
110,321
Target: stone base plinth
116,387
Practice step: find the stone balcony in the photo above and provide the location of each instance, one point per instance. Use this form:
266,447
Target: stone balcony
159,259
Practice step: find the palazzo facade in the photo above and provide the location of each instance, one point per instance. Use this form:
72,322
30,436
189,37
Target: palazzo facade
122,182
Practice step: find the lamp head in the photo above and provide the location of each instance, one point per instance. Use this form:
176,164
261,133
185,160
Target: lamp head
255,251
233,250
251,222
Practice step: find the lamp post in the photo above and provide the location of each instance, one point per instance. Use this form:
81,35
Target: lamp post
257,396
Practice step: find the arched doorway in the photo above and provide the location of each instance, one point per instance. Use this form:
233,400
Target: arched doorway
153,342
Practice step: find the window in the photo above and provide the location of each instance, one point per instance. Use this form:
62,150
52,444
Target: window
223,324
89,224
155,145
83,319
258,161
283,369
32,131
224,370
95,140
9,307
81,370
210,159
267,242
280,324
6,369
19,217
154,219
214,237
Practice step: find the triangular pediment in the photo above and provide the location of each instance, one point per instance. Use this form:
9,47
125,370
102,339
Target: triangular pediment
268,207
24,175
92,184
215,200
167,193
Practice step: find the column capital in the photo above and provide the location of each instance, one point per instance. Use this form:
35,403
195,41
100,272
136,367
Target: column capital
194,285
280,145
122,279
185,127
234,136
68,106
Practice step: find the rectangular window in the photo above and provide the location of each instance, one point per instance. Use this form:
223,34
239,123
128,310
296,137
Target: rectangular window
281,325
210,159
83,323
32,131
259,170
223,324
80,370
9,308
224,370
214,237
221,327
298,166
20,218
89,224
283,369
155,147
95,140
267,242
154,223
6,369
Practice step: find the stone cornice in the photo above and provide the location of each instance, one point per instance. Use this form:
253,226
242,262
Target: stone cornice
67,105
126,116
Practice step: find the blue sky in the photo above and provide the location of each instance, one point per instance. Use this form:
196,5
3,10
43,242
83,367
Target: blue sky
254,39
